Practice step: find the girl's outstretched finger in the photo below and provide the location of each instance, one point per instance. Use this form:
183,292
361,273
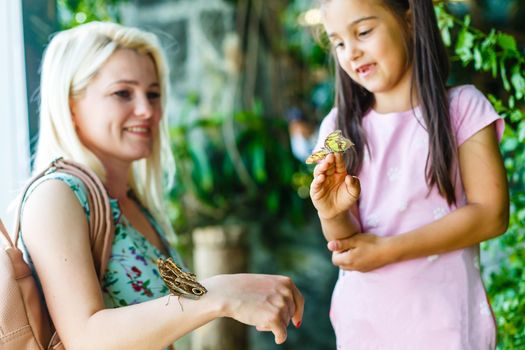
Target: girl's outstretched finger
329,161
340,166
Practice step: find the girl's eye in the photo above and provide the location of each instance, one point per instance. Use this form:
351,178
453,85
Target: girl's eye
123,94
364,33
153,95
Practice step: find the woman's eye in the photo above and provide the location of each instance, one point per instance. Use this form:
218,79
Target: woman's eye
153,95
123,94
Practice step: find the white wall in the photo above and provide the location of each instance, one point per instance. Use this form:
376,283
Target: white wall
14,145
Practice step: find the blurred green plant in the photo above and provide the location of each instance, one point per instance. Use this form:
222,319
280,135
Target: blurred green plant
236,169
498,54
309,47
74,12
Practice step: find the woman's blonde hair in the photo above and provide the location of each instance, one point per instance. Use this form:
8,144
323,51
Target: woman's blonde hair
71,60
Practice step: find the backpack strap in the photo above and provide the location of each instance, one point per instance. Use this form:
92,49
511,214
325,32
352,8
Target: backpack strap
101,227
6,237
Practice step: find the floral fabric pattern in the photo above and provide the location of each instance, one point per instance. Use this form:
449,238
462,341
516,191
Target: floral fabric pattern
131,276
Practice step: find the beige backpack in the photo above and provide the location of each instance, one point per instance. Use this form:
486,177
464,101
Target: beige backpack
24,320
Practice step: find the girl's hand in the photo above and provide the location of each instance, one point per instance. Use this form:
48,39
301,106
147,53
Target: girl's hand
267,302
362,252
333,191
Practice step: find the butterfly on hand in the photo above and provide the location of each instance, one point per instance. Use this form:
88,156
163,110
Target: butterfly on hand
335,142
179,282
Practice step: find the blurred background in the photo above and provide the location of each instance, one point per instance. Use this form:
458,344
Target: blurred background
251,81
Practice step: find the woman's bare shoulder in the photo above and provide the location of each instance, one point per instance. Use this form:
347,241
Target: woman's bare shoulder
52,207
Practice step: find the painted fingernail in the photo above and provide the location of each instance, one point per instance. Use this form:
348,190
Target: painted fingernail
298,324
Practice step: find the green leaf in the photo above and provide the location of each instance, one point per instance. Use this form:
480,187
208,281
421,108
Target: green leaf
512,102
272,202
464,45
510,144
503,73
521,132
478,60
202,169
258,163
466,21
445,34
507,42
494,64
518,82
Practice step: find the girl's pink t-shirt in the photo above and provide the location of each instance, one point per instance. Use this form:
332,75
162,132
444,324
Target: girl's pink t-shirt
435,302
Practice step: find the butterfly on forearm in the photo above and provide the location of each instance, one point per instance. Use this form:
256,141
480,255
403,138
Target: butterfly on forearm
179,283
335,142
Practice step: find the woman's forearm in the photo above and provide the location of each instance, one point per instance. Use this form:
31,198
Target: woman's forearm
268,302
150,325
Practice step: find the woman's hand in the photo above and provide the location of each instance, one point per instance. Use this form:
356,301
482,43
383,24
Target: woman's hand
362,252
267,302
333,191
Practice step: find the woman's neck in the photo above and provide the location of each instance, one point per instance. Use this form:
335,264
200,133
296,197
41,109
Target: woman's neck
117,176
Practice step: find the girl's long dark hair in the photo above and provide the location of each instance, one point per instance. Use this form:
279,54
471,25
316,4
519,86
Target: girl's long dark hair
431,68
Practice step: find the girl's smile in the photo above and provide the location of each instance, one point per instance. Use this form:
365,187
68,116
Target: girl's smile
366,70
371,46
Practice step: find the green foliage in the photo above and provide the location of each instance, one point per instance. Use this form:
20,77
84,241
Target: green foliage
309,47
498,54
75,12
237,169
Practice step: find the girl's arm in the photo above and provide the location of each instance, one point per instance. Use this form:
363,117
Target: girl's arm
334,194
55,231
485,215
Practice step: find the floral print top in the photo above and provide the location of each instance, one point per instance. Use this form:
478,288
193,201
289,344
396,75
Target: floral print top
131,276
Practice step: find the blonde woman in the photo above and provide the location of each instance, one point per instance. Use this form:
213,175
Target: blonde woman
103,90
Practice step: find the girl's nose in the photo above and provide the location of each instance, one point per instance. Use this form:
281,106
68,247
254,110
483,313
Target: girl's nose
352,52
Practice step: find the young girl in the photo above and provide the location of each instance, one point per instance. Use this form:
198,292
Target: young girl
432,184
103,90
